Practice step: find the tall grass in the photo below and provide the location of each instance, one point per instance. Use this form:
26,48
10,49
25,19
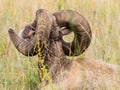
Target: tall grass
18,72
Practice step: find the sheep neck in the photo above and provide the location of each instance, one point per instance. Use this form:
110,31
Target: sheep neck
54,56
54,53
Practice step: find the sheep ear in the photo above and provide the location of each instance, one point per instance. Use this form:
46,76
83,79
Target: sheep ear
65,31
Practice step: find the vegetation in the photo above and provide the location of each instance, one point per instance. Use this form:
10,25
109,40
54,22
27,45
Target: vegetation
18,72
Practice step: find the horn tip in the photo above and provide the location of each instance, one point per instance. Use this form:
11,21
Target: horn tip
10,31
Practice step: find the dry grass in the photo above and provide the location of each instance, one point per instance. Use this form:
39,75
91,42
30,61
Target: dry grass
18,72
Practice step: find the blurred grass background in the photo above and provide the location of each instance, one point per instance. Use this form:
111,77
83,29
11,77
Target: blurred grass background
18,72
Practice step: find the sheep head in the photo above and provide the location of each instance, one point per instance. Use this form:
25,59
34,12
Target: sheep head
42,24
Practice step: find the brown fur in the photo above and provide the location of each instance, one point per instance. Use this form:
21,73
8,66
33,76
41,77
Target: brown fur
84,74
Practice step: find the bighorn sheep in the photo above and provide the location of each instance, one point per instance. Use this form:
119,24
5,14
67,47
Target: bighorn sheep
66,74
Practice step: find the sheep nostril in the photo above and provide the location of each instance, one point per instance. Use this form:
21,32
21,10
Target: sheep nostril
32,31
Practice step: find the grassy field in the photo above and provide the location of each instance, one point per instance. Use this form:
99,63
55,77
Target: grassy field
18,72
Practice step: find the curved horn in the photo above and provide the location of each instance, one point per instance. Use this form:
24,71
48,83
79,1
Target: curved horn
43,25
73,21
23,46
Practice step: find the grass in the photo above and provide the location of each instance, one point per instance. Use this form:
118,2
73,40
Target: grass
18,72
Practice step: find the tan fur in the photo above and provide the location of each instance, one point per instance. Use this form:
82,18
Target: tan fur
86,74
